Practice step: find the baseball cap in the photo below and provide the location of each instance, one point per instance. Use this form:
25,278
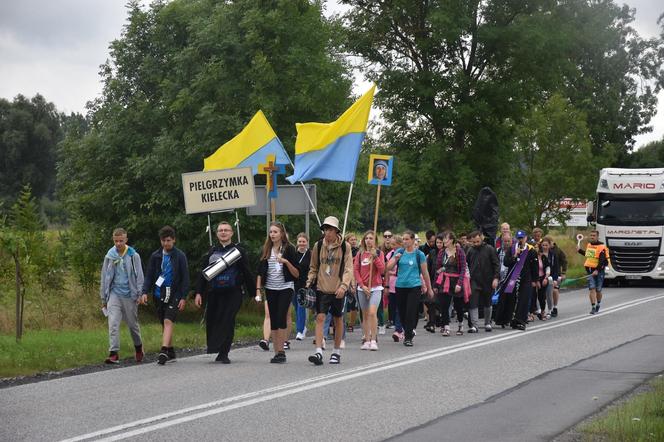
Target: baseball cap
520,234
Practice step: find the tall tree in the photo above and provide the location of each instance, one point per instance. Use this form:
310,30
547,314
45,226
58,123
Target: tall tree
185,77
455,75
552,160
29,133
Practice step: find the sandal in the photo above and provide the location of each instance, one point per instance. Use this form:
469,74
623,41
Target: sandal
460,331
445,331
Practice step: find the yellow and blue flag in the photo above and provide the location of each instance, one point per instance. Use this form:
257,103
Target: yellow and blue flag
330,151
249,148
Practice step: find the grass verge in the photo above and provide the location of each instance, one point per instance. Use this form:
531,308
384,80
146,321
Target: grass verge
50,350
640,418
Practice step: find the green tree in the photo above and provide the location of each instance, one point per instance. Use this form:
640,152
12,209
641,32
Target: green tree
650,155
185,77
22,240
29,133
552,160
456,76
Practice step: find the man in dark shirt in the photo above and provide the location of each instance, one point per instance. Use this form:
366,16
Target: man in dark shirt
484,270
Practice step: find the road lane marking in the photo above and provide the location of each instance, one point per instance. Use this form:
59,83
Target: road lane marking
244,400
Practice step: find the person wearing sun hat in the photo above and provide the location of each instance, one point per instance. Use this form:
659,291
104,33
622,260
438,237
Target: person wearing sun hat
331,272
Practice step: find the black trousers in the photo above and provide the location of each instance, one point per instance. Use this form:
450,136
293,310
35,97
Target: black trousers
524,293
222,308
445,300
408,301
278,302
513,307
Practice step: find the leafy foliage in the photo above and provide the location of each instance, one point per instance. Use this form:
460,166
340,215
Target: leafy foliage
185,77
29,132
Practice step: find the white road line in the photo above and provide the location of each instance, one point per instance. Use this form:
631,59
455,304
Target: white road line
255,397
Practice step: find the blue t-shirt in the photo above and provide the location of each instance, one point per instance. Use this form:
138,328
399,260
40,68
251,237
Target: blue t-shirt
120,284
408,273
166,273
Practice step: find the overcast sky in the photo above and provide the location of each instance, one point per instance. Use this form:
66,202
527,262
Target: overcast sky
55,48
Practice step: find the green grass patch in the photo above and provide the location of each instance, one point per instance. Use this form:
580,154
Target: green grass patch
53,350
640,418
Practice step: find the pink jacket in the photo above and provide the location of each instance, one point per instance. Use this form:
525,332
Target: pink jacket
361,266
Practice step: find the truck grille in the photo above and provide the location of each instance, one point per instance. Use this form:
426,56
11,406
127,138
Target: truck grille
634,259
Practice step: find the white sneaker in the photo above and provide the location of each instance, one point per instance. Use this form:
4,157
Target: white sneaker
381,330
366,346
373,346
299,336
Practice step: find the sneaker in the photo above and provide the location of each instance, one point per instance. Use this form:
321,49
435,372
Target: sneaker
316,359
381,330
300,336
366,345
335,358
445,331
223,359
472,329
389,325
171,355
113,358
488,328
408,343
554,312
139,354
597,308
286,345
162,358
414,332
279,358
373,346
265,345
593,310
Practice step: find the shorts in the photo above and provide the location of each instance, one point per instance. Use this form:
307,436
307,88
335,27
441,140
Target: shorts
166,311
596,282
374,299
328,303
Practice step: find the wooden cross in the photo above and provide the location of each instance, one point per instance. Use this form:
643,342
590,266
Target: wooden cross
271,170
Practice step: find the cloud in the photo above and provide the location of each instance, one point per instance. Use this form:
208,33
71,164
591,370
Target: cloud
55,48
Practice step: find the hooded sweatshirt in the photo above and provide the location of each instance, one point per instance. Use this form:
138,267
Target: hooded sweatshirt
327,279
121,275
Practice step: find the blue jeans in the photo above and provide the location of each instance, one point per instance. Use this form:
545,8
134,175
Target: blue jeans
392,300
300,315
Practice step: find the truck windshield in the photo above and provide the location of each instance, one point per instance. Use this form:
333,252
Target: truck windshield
631,212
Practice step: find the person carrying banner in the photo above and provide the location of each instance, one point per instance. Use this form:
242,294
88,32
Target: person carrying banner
368,267
331,273
223,293
597,258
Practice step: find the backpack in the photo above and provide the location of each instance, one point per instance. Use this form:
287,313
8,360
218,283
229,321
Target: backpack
319,243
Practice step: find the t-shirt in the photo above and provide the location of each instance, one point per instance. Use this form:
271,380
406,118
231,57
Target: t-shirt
409,264
166,273
275,274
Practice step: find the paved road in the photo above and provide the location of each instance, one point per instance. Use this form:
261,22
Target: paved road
370,396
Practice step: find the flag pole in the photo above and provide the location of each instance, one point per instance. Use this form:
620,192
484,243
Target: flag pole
306,193
350,193
375,226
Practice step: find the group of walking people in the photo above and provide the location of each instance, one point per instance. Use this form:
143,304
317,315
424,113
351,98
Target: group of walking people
508,283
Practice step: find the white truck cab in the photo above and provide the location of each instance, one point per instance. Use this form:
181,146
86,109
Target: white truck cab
629,216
